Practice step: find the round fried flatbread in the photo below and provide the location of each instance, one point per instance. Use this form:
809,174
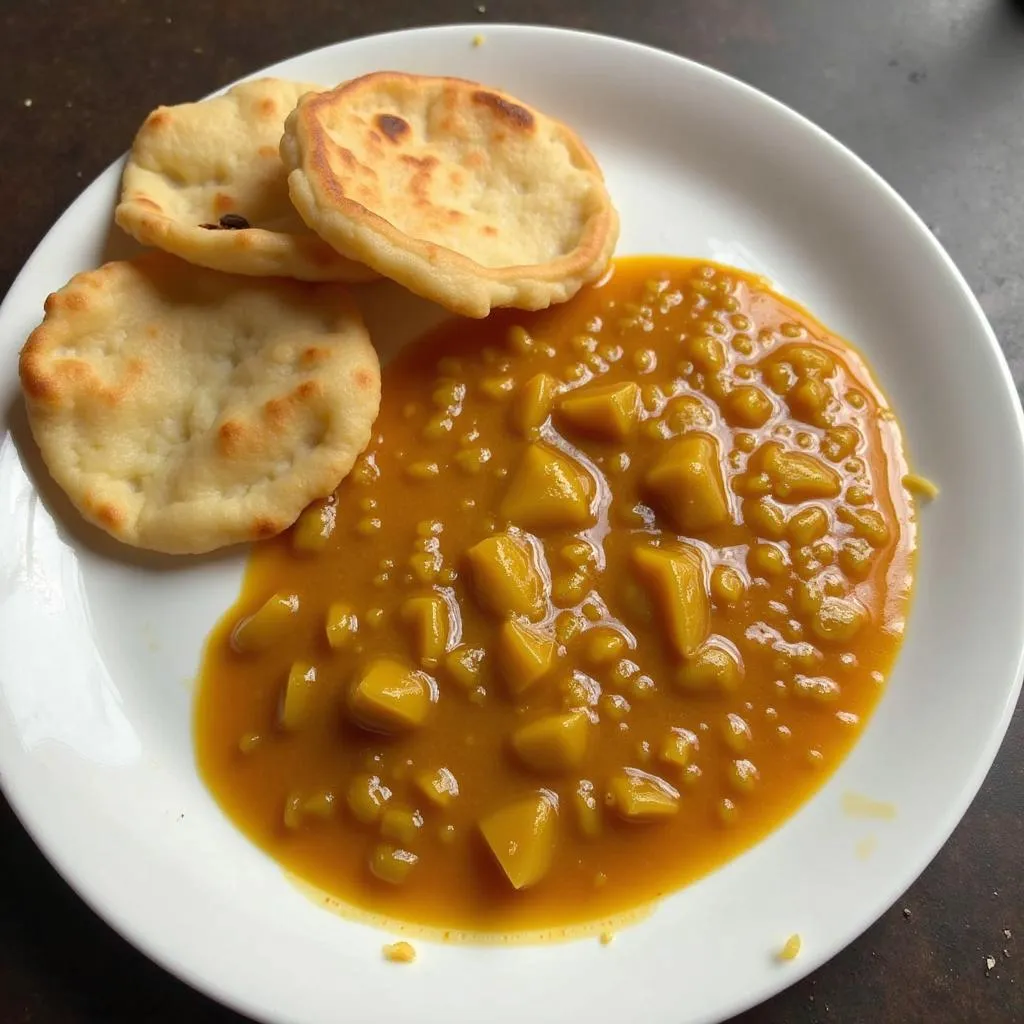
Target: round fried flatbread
198,172
461,193
182,410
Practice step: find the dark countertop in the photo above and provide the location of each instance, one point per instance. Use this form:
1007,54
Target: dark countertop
930,92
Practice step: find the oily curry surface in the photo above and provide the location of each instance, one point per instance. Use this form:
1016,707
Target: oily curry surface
610,593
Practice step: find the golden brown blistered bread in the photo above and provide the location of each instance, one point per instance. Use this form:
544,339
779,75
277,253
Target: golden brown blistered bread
459,192
182,409
198,172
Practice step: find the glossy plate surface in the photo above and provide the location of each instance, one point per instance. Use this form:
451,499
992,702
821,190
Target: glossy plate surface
99,646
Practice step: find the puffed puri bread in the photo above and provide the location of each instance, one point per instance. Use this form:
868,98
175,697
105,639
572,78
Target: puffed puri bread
183,410
459,192
192,164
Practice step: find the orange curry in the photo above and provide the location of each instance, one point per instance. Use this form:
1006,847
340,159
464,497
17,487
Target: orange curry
612,590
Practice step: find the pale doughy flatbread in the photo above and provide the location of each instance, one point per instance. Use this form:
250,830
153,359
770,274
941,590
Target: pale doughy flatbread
192,164
182,410
459,192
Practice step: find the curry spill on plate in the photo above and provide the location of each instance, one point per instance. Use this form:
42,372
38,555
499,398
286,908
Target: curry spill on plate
572,602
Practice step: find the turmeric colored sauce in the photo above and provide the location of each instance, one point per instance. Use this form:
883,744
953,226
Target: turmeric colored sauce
612,591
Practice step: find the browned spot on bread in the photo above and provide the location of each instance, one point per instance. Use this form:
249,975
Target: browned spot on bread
158,119
420,181
223,203
52,302
264,528
307,389
516,115
490,230
35,382
266,107
148,203
474,159
276,411
362,378
392,126
313,355
76,301
456,177
110,516
267,152
230,436
454,215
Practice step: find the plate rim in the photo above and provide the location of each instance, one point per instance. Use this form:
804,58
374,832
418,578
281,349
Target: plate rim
144,938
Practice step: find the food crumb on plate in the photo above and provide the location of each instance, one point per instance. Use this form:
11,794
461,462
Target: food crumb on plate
479,40
399,952
990,963
906,912
605,938
921,486
791,949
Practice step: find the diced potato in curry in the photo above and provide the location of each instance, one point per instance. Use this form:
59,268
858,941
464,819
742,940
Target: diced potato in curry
507,577
522,837
648,549
268,625
608,412
534,403
427,617
686,483
299,695
525,654
638,796
548,491
390,696
554,743
675,578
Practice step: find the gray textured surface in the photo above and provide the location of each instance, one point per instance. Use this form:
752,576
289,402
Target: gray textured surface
930,92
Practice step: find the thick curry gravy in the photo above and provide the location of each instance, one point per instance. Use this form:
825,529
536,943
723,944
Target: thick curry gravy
610,593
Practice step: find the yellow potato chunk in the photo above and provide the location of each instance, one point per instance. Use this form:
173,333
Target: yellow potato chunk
506,576
549,491
525,655
268,625
677,748
299,694
440,786
554,743
727,585
314,527
837,619
807,525
748,406
587,810
401,824
341,626
522,837
676,580
866,522
797,476
638,796
428,621
608,412
713,668
687,484
392,864
464,665
366,798
390,697
534,403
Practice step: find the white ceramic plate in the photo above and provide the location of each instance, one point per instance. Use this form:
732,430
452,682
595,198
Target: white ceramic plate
98,648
